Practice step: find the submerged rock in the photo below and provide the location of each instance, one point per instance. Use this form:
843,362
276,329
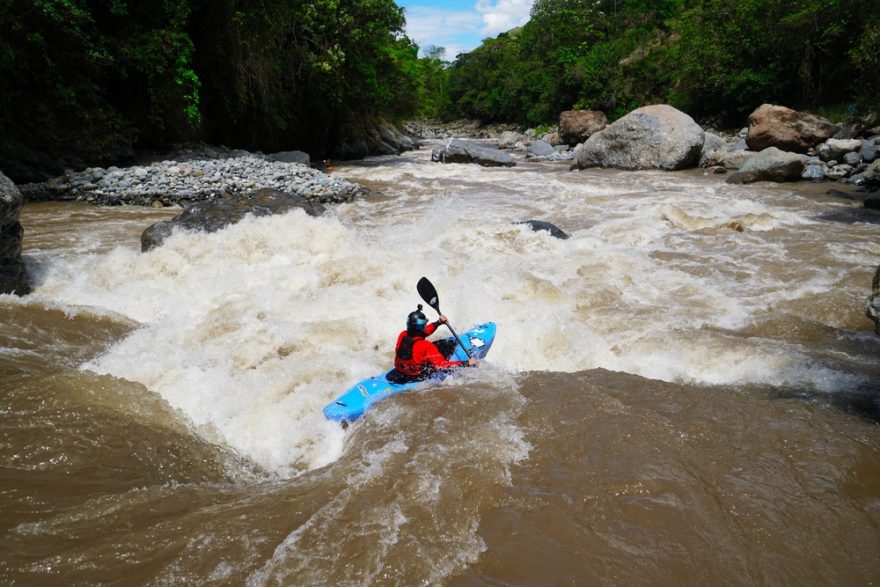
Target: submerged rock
537,225
214,215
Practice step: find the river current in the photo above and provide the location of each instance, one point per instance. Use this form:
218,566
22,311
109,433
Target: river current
685,392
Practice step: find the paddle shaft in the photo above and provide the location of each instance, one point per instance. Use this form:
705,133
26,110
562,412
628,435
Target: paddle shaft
429,293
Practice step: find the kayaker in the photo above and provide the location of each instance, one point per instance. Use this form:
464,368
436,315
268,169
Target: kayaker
417,358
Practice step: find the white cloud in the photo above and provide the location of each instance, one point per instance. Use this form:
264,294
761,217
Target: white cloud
502,15
443,28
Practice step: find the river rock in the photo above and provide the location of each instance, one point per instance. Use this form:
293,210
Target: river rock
214,215
787,129
576,126
771,164
869,151
511,139
837,149
13,273
541,149
537,225
713,148
460,151
872,306
735,159
814,172
871,175
652,137
872,202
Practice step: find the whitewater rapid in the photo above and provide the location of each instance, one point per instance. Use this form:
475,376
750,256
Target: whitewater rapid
248,332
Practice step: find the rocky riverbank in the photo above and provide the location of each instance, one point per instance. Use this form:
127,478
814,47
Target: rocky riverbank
195,176
779,144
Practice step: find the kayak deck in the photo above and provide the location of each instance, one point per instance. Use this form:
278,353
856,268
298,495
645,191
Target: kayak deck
352,404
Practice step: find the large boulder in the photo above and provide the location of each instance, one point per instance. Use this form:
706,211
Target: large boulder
214,215
652,137
460,151
376,138
771,164
787,129
576,126
872,306
13,273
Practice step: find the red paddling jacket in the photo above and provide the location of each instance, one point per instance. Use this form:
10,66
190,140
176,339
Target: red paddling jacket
417,357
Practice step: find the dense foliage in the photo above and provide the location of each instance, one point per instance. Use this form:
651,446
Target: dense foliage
715,59
87,81
95,78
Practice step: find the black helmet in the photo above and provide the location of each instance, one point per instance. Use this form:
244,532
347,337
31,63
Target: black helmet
416,321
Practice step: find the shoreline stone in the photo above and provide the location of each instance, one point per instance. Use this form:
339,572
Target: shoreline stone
14,278
185,181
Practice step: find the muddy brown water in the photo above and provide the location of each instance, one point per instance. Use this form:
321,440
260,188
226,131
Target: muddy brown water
685,392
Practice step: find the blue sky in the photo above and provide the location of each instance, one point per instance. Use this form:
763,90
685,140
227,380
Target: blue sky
460,25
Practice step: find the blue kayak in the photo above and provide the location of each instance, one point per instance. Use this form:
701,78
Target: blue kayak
352,404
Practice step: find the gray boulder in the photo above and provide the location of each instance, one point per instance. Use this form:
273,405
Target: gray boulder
510,139
837,149
541,149
869,151
787,129
652,137
735,159
576,126
13,273
814,172
771,164
460,151
214,215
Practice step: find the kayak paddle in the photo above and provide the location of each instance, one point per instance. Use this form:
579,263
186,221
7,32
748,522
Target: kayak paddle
429,294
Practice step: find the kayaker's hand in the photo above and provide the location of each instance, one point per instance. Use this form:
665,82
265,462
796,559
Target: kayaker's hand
442,319
472,362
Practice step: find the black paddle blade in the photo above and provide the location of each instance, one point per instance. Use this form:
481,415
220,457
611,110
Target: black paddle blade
428,293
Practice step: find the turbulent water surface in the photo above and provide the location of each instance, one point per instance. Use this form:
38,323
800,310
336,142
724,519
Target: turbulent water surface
683,392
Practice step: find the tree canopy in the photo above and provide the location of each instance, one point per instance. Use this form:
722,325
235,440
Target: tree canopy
87,81
716,59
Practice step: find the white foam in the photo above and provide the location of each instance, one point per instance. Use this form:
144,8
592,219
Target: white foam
250,331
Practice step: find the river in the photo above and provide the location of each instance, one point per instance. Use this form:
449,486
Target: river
685,392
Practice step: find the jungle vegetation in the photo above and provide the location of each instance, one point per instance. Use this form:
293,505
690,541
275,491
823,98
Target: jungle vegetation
90,81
